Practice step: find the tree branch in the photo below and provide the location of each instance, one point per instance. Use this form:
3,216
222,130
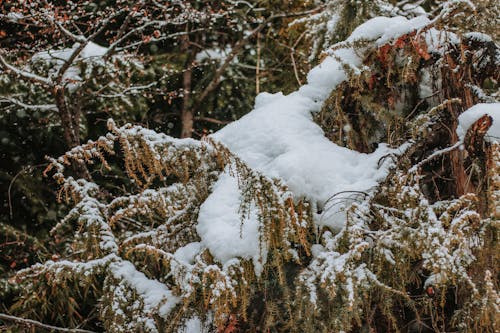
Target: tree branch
83,43
213,120
239,47
43,107
78,38
25,74
30,322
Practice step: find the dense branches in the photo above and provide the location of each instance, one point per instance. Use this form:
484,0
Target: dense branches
367,200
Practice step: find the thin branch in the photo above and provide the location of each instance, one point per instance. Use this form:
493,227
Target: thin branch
78,38
9,195
292,52
213,120
31,322
83,43
159,39
25,74
40,107
129,91
114,45
435,154
11,243
239,47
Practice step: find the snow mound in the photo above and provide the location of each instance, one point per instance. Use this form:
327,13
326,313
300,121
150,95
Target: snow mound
470,116
280,139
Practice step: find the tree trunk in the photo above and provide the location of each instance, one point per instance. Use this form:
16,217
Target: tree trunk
70,122
187,114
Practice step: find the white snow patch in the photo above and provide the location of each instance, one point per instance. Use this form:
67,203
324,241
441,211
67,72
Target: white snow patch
91,50
469,117
223,230
196,325
193,325
187,253
155,295
478,36
217,54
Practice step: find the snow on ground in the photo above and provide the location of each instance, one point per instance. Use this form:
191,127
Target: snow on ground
469,117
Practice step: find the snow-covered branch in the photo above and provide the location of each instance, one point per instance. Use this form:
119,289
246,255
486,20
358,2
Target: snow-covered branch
40,107
25,74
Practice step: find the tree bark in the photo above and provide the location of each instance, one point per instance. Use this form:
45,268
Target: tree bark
70,122
187,117
187,113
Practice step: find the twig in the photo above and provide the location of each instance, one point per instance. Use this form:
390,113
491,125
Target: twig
12,183
435,154
10,188
257,69
213,120
31,322
12,243
292,52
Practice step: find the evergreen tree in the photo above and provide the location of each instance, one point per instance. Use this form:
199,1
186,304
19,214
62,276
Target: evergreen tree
367,200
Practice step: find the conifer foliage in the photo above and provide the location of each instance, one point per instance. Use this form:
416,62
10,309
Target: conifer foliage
230,234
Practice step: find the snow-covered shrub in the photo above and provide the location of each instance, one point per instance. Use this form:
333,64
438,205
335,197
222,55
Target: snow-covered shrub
267,225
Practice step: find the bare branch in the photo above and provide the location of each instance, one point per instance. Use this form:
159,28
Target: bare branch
67,64
213,120
31,323
114,45
239,47
129,91
435,154
159,39
83,43
78,38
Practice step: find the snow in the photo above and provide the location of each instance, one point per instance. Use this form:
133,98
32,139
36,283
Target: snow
217,54
12,17
193,325
385,29
92,53
478,36
470,116
89,51
187,253
154,294
221,227
280,139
